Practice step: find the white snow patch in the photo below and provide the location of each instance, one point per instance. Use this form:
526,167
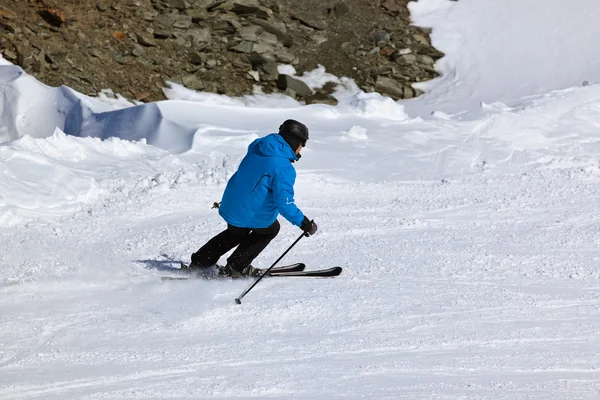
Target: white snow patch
356,132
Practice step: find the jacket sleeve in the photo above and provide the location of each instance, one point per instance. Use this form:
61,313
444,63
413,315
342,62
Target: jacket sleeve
283,195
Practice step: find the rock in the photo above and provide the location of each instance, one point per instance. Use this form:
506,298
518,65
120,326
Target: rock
321,98
145,40
392,6
287,82
199,36
387,51
243,47
283,37
197,15
257,59
409,93
177,4
10,27
183,41
405,59
227,25
165,20
289,92
339,10
239,63
264,13
245,7
310,20
193,82
268,71
285,56
142,95
385,70
53,16
197,58
215,4
268,38
49,59
138,50
263,48
118,58
423,59
381,37
363,40
250,33
149,16
253,75
432,52
425,30
420,39
7,13
183,22
162,34
390,87
192,69
9,55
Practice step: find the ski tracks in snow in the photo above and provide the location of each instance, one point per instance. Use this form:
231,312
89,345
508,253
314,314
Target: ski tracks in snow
478,287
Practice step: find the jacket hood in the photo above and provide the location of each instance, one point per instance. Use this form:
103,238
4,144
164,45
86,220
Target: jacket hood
274,145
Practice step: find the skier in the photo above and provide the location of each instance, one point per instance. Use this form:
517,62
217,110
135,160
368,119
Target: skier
261,189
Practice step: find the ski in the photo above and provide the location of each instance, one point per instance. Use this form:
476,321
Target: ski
298,267
186,273
317,273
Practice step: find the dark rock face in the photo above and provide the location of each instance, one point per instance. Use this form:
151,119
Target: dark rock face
225,46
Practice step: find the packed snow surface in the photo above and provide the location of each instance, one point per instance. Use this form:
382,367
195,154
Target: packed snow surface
466,223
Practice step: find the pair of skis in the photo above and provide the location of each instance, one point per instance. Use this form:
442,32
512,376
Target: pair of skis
293,270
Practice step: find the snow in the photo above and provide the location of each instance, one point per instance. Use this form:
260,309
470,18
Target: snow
467,230
502,51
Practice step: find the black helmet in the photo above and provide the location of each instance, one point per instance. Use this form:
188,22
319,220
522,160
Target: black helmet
294,131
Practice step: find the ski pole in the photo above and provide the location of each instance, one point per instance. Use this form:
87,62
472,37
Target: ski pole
238,300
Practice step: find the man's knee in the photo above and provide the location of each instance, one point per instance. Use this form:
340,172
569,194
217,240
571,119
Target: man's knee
274,229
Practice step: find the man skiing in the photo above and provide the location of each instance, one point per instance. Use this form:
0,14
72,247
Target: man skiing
260,190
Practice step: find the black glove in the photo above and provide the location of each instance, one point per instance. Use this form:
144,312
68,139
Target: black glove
309,227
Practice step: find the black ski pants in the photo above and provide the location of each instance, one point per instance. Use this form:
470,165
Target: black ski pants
250,242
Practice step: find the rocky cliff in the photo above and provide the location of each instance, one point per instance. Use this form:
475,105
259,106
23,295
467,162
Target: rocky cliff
221,46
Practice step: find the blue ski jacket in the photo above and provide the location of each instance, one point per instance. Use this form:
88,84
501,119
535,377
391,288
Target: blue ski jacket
263,186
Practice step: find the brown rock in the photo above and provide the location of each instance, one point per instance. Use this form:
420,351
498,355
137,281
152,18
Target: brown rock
214,5
283,37
193,82
310,20
287,82
9,55
390,87
142,95
120,35
339,10
162,34
6,13
197,15
243,47
393,6
183,22
268,71
245,7
145,40
321,98
177,4
53,16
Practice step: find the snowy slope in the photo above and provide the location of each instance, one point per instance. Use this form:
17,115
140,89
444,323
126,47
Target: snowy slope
505,50
470,245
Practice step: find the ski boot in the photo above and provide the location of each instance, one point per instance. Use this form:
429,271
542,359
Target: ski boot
230,271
